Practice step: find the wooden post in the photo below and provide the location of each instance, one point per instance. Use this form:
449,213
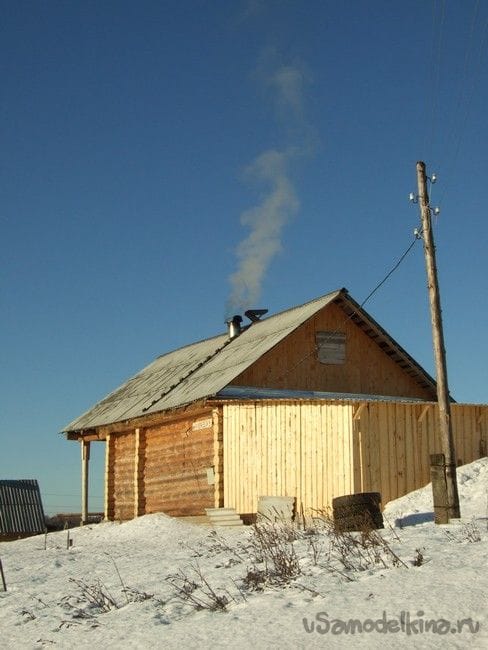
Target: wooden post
3,576
85,461
439,488
447,439
218,443
136,473
108,485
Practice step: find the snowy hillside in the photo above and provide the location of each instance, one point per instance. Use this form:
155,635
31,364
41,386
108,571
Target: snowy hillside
139,584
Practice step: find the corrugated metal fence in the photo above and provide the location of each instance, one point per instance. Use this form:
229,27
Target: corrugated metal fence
21,511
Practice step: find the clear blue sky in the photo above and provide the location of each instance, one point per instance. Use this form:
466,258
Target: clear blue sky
143,143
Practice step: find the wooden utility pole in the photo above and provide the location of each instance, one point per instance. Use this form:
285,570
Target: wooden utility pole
447,440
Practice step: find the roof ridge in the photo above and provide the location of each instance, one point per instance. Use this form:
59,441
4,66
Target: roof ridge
224,344
309,302
263,320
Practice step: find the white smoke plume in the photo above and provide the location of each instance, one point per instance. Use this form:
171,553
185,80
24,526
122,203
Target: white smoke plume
266,222
279,202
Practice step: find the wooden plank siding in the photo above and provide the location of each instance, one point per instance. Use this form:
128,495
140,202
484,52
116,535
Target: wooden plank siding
396,440
308,449
315,451
303,450
293,363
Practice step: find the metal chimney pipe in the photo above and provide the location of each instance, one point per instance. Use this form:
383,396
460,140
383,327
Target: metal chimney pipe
234,326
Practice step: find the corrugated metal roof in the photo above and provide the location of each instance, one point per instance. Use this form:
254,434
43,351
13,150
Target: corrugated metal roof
202,369
251,393
21,509
195,371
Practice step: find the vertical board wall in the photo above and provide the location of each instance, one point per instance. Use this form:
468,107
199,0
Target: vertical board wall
315,451
396,440
303,450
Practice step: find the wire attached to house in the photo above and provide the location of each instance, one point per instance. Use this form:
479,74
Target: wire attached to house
417,235
390,273
331,335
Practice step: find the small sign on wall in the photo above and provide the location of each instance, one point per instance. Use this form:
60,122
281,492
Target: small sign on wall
202,424
210,476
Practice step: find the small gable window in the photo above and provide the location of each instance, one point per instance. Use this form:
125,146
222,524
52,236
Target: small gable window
331,347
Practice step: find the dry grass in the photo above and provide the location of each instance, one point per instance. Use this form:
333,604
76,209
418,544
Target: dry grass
196,590
277,553
97,595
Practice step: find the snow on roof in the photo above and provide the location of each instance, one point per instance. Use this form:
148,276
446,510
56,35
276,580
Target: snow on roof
201,370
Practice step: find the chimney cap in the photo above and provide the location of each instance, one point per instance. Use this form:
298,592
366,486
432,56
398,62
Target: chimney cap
236,319
254,315
234,325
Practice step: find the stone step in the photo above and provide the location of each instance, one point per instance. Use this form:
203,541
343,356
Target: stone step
220,511
234,521
223,517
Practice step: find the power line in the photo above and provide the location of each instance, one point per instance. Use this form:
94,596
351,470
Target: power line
354,312
464,77
469,95
436,70
394,268
59,494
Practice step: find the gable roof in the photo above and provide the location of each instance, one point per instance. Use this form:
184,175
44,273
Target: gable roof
202,369
21,511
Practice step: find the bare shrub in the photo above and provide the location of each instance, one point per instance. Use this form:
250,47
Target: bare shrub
27,615
217,545
198,592
255,579
135,595
418,559
272,544
97,595
469,532
316,547
358,551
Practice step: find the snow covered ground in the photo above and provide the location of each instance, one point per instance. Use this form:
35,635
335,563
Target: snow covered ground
411,592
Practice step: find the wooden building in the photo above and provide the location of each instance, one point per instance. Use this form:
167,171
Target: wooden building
312,403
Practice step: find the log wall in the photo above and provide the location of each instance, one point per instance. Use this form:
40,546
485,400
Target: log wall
123,475
174,467
175,462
